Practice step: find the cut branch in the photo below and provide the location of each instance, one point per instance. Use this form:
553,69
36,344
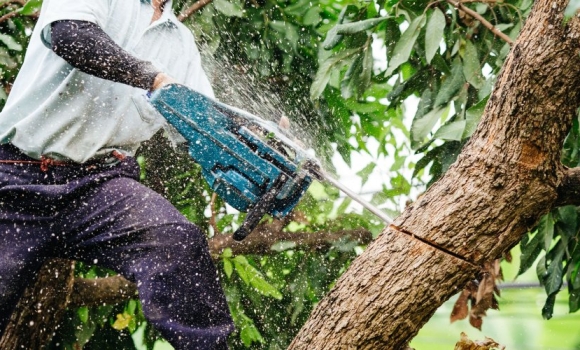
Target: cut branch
260,242
100,291
459,5
569,189
193,9
116,289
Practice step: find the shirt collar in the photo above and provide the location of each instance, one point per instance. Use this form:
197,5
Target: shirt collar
167,17
167,2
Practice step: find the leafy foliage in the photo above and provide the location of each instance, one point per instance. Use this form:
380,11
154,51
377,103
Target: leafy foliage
555,243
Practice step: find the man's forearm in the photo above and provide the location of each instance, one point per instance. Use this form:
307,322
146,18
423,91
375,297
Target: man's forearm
85,46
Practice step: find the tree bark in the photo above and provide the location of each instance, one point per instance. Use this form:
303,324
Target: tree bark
505,179
40,309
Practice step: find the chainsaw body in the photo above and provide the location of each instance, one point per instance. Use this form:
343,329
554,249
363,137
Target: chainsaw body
247,161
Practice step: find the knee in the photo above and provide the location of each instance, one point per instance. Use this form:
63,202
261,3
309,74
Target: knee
187,237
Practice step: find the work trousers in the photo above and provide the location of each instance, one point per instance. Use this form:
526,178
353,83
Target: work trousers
99,214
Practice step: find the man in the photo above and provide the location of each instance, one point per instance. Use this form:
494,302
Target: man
75,116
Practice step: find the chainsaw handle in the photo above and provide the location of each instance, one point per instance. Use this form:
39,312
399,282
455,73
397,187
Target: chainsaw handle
263,206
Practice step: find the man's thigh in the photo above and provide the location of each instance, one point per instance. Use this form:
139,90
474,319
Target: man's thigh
120,217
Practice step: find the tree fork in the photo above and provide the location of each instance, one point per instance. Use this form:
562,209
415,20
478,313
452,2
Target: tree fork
505,179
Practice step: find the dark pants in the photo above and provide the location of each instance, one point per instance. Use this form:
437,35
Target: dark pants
101,215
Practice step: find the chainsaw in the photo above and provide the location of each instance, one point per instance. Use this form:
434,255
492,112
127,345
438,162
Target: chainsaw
251,163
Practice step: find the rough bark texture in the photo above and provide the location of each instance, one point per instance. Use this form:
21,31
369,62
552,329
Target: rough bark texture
506,177
39,311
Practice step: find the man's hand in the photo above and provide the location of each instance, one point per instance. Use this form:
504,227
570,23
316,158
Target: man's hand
161,80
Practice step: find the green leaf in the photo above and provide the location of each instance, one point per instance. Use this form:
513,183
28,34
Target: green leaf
228,267
343,206
452,131
131,307
366,172
530,251
10,42
434,34
227,253
405,45
420,128
471,66
251,276
548,309
31,7
312,17
541,269
6,60
567,222
358,76
451,85
332,39
546,228
229,8
298,8
574,300
317,191
83,313
250,334
473,116
359,26
348,84
553,280
323,74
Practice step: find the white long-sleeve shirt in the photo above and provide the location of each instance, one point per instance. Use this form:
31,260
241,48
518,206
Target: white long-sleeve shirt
57,111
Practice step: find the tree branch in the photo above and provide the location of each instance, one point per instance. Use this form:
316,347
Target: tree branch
459,5
198,5
8,16
569,189
261,240
99,291
116,289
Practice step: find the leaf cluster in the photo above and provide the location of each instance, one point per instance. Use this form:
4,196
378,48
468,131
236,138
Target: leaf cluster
554,242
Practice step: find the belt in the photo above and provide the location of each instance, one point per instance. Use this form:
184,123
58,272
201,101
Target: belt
46,162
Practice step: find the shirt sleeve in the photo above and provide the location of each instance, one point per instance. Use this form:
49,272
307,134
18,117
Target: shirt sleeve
85,46
94,11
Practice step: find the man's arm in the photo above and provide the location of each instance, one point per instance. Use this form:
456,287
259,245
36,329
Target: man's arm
85,46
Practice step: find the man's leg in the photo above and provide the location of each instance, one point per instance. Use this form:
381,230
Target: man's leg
126,227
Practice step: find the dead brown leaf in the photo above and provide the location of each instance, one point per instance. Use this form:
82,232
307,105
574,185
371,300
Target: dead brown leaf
487,344
478,296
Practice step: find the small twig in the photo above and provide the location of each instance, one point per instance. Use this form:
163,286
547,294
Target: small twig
192,9
10,2
212,219
8,16
483,21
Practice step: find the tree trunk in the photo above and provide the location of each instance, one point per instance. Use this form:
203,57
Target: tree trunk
41,308
505,179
